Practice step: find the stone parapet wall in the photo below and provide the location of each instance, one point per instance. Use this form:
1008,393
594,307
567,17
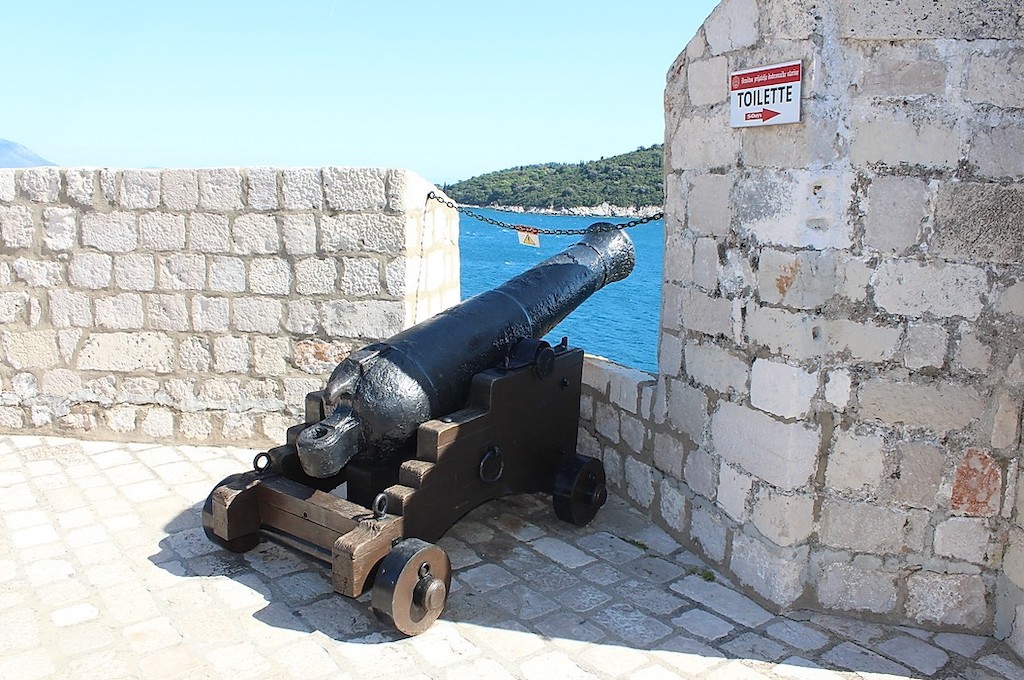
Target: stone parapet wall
836,418
204,304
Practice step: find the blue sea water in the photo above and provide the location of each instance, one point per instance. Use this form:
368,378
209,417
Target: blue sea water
619,322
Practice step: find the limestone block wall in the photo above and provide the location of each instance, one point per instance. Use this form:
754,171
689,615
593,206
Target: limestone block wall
836,417
203,304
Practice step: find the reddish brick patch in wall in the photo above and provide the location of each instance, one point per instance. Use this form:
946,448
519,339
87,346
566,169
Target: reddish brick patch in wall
978,484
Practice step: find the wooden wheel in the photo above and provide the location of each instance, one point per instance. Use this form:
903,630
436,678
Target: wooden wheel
411,587
237,545
579,490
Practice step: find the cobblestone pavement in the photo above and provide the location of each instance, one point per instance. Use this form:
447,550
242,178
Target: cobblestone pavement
105,573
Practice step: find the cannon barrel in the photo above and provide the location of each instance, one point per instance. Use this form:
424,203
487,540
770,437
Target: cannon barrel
379,395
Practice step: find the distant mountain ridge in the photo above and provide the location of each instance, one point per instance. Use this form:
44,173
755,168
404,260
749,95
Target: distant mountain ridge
14,155
633,179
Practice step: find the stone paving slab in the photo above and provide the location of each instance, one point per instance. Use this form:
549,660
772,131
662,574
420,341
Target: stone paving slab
105,573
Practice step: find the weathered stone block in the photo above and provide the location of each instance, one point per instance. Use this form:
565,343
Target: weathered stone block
940,406
796,207
360,276
700,143
270,276
668,454
14,307
946,599
167,312
301,189
196,426
838,388
964,538
135,271
904,70
38,274
979,222
254,234
79,184
672,505
220,189
869,528
299,233
355,189
731,26
687,410
315,276
90,270
364,319
709,532
995,78
923,19
140,189
710,209
262,188
162,231
782,389
640,482
110,232
121,312
8,188
913,289
194,354
256,315
16,228
856,463
670,355
127,353
60,229
231,354
31,349
712,316
920,468
180,189
897,209
784,519
270,355
977,487
209,313
705,264
606,421
733,492
775,574
1005,422
708,81
209,233
303,317
781,454
182,272
925,346
845,587
803,280
69,308
893,138
998,152
41,184
717,368
971,353
227,274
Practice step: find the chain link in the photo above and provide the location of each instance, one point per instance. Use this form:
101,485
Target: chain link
592,229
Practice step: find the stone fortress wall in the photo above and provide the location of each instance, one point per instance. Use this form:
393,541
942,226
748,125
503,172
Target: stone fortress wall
835,422
836,417
202,305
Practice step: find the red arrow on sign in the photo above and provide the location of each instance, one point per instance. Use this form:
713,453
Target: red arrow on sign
762,115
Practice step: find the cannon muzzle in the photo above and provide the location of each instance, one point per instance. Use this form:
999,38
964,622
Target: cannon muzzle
379,395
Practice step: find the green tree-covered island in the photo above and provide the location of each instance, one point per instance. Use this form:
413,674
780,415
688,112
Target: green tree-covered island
629,183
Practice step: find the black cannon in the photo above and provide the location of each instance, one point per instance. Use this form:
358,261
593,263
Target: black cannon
412,433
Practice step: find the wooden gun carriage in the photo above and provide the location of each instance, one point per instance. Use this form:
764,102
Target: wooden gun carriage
412,433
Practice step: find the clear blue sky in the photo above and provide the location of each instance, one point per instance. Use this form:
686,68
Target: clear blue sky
449,89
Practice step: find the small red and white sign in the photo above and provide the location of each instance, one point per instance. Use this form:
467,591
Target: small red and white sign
766,95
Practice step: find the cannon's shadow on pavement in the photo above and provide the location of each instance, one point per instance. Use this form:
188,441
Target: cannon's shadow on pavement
522,577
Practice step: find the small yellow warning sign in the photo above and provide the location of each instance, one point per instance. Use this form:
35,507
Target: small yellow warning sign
528,238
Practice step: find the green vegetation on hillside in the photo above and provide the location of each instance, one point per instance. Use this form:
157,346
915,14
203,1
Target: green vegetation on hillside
630,179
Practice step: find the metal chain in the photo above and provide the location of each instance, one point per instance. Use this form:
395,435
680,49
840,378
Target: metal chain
594,228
